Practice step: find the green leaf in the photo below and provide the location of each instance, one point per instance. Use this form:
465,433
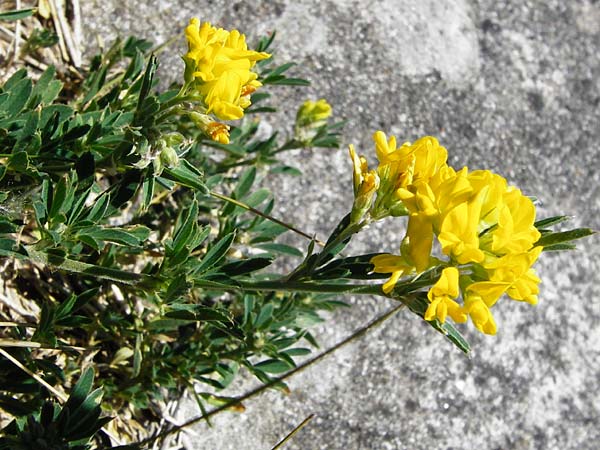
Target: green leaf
280,69
17,14
256,198
115,235
40,90
550,221
245,182
280,248
23,138
98,210
264,317
147,80
355,267
561,237
237,268
265,42
63,196
81,390
187,175
14,79
286,170
137,355
197,313
273,366
166,324
559,247
177,288
187,226
215,254
18,96
284,81
248,307
297,351
147,190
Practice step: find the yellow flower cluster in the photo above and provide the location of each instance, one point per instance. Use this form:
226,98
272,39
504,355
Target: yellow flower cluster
221,68
484,226
311,112
311,116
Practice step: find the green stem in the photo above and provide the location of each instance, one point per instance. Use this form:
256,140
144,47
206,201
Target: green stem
301,286
289,145
266,216
357,334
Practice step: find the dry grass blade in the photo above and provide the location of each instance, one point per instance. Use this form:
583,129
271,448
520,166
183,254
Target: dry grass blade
30,344
59,395
63,17
291,434
69,46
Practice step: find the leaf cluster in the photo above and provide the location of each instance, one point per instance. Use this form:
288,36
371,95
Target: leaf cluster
131,262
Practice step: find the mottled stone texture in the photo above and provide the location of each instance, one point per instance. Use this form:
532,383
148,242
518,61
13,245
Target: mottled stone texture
512,86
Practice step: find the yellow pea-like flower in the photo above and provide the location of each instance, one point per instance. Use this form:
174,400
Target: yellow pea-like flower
515,232
459,233
394,264
515,269
221,68
480,314
441,297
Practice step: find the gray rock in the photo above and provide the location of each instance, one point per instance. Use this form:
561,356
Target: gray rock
513,86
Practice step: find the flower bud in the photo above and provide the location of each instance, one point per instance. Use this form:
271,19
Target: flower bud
216,131
364,196
169,157
310,117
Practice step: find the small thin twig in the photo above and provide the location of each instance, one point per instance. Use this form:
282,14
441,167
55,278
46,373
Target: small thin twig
357,334
77,29
17,324
293,432
59,395
17,40
31,344
266,216
59,32
62,398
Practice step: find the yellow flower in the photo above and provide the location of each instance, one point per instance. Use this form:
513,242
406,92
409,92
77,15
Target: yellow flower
480,314
515,270
359,168
442,295
366,183
396,265
459,232
218,132
220,68
515,232
493,187
385,148
416,245
429,158
488,291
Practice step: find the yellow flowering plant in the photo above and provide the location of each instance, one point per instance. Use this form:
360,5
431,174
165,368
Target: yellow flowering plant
142,241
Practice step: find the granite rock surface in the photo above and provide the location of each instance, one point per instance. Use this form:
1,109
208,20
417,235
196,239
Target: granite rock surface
513,86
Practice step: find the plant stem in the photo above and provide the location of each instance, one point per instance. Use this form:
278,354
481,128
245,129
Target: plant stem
266,216
293,432
59,395
357,334
289,145
300,286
